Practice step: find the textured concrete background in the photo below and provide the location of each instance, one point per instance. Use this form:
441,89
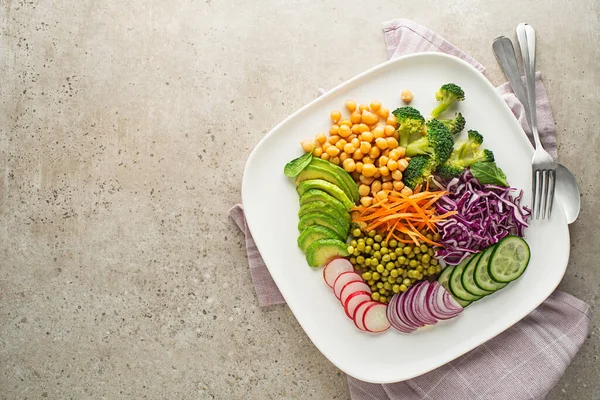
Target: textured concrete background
125,126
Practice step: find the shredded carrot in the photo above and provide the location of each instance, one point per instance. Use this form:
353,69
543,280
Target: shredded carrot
405,215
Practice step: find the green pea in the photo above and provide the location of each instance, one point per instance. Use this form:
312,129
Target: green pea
380,268
394,273
407,250
377,255
401,245
367,276
416,250
411,255
391,279
372,233
419,257
429,236
389,266
360,246
431,270
434,262
430,252
385,272
360,259
406,281
379,285
378,238
383,299
376,276
353,260
387,286
398,251
426,258
367,249
376,246
375,296
402,259
370,241
412,263
385,257
396,288
393,243
424,248
436,237
361,241
438,269
393,256
382,291
403,287
384,250
353,243
357,232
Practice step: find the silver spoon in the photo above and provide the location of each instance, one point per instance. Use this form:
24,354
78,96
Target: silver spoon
567,190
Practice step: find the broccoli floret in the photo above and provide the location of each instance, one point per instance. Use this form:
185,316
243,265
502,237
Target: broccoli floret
437,143
456,125
447,95
410,122
465,154
419,169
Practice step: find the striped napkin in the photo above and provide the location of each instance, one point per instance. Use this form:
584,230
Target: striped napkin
525,361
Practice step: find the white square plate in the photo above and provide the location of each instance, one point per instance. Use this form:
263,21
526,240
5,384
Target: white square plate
271,206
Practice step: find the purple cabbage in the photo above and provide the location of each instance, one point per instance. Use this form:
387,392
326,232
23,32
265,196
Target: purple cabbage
486,214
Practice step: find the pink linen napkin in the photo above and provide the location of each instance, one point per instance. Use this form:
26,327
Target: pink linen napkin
525,361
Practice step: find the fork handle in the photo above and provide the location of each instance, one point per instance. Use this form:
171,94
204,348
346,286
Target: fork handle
526,37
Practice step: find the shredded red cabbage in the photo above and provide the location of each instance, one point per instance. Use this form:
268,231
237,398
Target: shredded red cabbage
486,214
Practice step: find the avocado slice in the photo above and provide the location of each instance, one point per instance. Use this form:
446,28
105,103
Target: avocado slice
320,206
319,195
325,186
344,176
322,250
319,218
312,233
316,172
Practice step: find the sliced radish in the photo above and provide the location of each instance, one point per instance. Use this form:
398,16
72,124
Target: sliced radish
359,312
375,318
352,287
394,318
334,268
343,279
354,300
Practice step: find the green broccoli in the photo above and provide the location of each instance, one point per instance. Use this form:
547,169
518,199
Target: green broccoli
447,95
410,122
465,154
419,168
437,143
455,125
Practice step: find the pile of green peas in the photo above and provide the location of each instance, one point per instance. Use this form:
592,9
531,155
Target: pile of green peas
391,267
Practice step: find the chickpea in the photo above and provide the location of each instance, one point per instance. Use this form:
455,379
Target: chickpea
406,96
317,152
321,138
363,128
359,167
355,142
387,186
332,151
343,156
368,160
345,131
382,161
325,156
397,175
374,152
358,155
375,187
375,105
381,143
389,130
366,201
363,107
398,185
383,112
349,165
364,190
406,191
335,116
365,147
335,160
391,120
366,136
356,117
366,181
340,144
402,164
392,143
369,170
326,145
386,178
392,165
355,129
384,171
381,195
346,122
351,105
369,118
401,151
334,130
349,148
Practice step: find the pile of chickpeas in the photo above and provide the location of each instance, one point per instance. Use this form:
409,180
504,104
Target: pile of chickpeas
391,267
366,145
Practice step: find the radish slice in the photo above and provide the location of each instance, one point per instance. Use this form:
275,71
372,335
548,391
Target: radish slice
354,300
419,305
394,318
353,287
375,318
334,268
343,279
359,312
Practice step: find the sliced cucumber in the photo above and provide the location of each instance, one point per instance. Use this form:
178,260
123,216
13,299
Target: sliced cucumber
482,278
443,280
509,259
468,279
455,283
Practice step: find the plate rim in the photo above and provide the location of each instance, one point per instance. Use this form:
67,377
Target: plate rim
525,143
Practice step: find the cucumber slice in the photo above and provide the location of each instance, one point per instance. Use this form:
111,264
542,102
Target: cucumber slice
468,279
482,279
509,259
455,283
443,280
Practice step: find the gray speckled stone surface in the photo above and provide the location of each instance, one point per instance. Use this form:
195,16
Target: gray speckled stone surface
124,131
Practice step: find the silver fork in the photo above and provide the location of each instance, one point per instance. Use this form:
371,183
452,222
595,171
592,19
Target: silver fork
543,168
